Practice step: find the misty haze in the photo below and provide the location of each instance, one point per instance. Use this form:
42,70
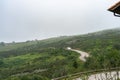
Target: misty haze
59,40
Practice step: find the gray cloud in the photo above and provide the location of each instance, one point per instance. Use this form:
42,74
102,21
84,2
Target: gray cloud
30,19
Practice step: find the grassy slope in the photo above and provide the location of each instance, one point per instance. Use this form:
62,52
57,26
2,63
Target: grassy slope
50,53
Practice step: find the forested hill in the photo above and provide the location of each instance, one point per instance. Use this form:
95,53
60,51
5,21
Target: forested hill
47,59
85,42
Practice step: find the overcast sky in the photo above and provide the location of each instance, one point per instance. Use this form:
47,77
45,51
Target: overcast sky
22,20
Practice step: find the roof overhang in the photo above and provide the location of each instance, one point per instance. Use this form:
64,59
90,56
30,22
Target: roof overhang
115,9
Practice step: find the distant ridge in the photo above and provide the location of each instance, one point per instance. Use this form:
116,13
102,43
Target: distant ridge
64,41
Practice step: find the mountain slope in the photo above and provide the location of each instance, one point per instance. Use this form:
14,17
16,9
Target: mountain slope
67,40
51,54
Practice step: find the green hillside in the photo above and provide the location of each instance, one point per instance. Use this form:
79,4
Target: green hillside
77,41
47,59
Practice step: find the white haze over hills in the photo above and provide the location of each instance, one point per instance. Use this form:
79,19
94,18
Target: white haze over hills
22,20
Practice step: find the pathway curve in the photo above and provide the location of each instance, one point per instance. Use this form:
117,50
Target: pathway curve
83,55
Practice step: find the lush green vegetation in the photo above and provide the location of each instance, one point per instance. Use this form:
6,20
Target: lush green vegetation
59,62
46,59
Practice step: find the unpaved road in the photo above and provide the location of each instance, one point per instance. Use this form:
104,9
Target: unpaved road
83,55
100,76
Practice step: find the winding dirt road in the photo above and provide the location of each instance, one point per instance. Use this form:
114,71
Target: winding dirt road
83,55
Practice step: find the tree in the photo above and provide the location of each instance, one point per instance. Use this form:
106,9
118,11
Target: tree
75,64
2,43
117,46
13,42
1,62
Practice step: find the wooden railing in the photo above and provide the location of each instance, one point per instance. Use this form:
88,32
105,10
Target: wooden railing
103,74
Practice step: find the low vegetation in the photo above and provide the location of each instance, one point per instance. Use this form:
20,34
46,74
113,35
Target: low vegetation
47,59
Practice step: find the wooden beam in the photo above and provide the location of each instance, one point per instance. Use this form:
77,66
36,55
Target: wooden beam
115,8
